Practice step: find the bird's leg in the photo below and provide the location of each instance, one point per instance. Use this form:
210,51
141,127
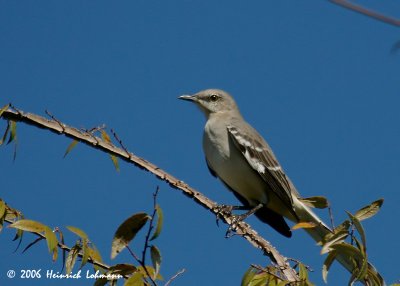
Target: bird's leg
236,218
249,213
227,209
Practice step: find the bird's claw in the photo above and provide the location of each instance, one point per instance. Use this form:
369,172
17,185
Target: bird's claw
222,209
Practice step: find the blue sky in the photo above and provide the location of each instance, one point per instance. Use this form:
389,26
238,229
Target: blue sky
316,80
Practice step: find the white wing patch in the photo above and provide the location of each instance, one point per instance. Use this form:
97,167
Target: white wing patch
255,164
274,168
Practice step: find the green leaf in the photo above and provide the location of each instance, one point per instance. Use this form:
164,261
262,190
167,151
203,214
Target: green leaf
363,264
2,208
263,278
135,280
85,252
127,231
344,226
327,264
151,271
3,139
78,232
71,258
359,228
28,225
94,254
114,158
248,276
336,238
122,269
155,259
347,250
369,211
19,233
318,202
303,273
4,108
101,282
374,277
52,242
13,129
70,147
160,221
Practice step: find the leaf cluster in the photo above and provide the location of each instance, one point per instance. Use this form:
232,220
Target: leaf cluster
135,274
349,240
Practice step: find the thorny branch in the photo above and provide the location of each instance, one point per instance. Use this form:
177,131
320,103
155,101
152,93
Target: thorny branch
89,139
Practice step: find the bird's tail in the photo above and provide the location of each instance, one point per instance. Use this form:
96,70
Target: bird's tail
319,232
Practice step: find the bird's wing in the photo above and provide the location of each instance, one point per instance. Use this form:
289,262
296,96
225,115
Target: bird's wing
261,158
266,215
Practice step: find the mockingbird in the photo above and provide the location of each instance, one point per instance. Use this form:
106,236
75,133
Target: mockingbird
238,155
244,162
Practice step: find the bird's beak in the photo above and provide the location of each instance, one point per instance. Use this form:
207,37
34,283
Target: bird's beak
188,97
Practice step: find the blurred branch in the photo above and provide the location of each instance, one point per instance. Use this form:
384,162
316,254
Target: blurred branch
367,12
86,137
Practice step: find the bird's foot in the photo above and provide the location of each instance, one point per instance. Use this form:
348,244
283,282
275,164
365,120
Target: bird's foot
221,210
226,210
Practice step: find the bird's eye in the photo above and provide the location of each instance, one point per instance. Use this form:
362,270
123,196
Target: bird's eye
213,97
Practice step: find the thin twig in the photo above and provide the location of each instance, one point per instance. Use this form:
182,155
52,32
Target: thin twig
147,239
180,272
331,217
298,262
119,141
138,260
56,120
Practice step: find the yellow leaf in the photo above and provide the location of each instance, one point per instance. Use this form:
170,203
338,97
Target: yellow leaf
155,258
70,147
105,136
160,220
52,242
71,258
29,225
78,232
304,225
127,231
2,208
369,211
4,108
135,280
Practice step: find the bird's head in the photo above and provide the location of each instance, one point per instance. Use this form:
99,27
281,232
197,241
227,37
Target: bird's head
212,101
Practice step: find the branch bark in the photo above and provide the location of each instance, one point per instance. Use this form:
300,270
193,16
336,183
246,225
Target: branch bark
243,229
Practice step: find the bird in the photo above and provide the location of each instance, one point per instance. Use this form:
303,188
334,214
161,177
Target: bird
240,157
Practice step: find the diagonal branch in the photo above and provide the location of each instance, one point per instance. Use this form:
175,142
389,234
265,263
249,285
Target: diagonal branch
367,12
89,139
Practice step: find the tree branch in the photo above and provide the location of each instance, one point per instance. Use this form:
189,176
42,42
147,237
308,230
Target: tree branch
89,139
367,12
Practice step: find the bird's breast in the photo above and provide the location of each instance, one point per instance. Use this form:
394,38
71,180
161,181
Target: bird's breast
231,166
